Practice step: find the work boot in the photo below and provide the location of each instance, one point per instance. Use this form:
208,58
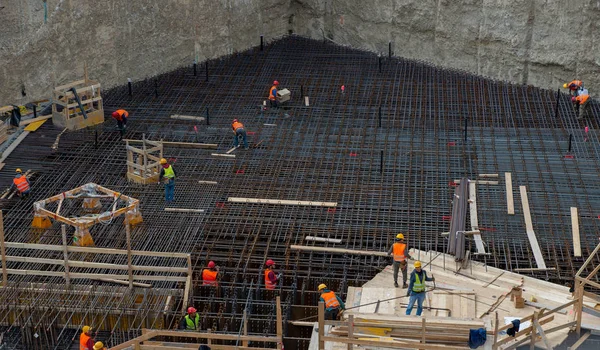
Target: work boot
404,286
396,284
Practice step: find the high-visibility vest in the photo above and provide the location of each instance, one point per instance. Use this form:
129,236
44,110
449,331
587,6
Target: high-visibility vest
209,278
121,112
169,173
418,286
21,183
582,99
398,251
271,96
268,284
331,301
192,324
83,339
237,125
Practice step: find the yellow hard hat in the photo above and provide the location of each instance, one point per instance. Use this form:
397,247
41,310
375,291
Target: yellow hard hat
417,264
19,170
163,161
86,329
400,236
98,346
322,286
565,85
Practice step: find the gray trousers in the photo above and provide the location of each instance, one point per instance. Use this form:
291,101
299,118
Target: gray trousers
584,109
403,266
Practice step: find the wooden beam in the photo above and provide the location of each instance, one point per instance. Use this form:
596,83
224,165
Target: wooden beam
510,202
3,251
351,330
575,228
588,260
580,341
508,338
466,233
33,120
473,214
74,249
540,330
179,144
488,175
223,155
207,182
479,182
94,265
535,247
338,250
95,275
279,324
125,283
385,344
534,269
183,210
128,242
321,322
63,229
322,239
281,202
187,117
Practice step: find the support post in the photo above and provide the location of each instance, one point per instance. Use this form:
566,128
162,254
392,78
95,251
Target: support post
570,141
63,229
195,68
261,43
3,251
156,88
130,87
207,117
245,330
96,138
466,128
34,111
301,92
390,49
206,69
494,347
350,331
279,325
381,163
580,289
321,325
423,330
129,265
380,116
379,63
557,101
533,331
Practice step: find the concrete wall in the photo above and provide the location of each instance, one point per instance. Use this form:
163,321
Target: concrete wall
122,38
538,42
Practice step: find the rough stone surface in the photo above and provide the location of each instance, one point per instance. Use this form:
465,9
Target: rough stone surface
538,42
122,39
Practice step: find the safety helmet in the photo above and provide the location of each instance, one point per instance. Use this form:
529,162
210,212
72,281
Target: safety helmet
235,121
565,85
399,236
270,262
98,346
115,114
275,82
211,264
191,310
163,161
322,286
86,329
417,264
19,170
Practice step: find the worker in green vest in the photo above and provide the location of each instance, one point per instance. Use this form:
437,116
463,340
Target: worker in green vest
416,288
191,321
167,175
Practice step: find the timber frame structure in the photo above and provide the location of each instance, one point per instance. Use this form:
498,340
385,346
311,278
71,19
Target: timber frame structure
143,163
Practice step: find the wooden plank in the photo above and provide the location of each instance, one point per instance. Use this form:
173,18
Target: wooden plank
128,242
223,155
177,144
13,145
74,249
575,228
208,182
534,269
510,203
279,323
60,88
535,247
479,182
588,260
126,283
232,149
187,117
322,239
473,215
65,254
281,202
34,126
392,344
580,341
95,275
321,321
183,210
540,330
337,250
350,330
3,251
488,175
521,332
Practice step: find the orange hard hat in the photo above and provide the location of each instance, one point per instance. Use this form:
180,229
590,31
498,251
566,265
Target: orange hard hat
234,121
270,262
191,310
211,264
275,82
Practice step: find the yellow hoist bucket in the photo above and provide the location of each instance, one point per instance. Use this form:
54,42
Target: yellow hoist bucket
83,238
41,222
134,217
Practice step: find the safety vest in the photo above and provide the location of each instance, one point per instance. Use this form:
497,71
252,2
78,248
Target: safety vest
331,301
237,125
271,96
418,286
582,99
268,284
169,173
21,184
121,112
209,278
575,84
192,324
83,339
398,251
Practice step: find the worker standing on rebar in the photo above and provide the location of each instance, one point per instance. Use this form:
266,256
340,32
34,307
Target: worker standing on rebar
333,303
239,131
121,115
167,175
210,275
399,250
583,103
21,184
271,279
573,87
86,342
99,346
273,95
191,321
416,288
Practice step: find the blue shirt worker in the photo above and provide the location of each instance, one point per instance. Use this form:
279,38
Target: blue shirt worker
167,175
333,303
416,288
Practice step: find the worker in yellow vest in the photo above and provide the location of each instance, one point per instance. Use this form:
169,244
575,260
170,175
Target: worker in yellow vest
333,303
86,342
191,321
167,175
21,184
399,250
416,288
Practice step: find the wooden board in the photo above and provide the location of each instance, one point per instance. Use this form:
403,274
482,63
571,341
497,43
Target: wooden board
510,203
575,227
473,215
479,182
34,126
535,247
281,202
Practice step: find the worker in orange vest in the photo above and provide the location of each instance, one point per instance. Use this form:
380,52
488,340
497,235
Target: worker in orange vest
399,250
271,279
273,95
21,184
121,115
209,275
574,87
582,102
333,303
86,342
239,131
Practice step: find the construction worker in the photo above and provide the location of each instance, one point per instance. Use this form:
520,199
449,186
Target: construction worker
238,130
573,86
121,115
86,342
399,251
273,95
191,321
21,184
333,303
582,102
416,288
209,275
99,346
167,176
271,279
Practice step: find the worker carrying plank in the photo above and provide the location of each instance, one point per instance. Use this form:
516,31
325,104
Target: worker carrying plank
416,288
399,250
21,184
239,131
167,176
271,279
121,115
86,342
333,303
582,103
210,275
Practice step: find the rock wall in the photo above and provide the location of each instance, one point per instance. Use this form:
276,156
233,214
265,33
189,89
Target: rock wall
119,39
539,42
